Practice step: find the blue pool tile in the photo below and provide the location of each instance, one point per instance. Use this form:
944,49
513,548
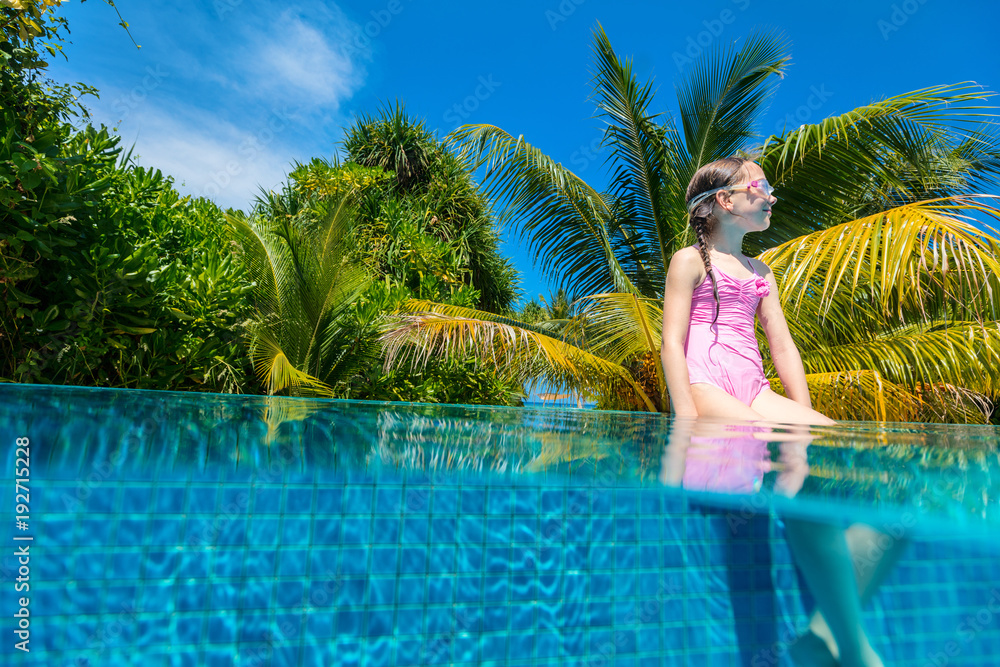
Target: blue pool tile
350,622
439,590
96,532
409,652
602,529
202,500
527,501
470,529
298,501
443,530
626,502
412,591
521,646
469,558
473,501
170,499
416,529
445,501
266,500
602,501
498,559
496,618
441,559
413,561
328,500
358,499
386,529
600,556
326,531
294,531
388,500
291,562
578,501
381,591
468,588
498,530
380,623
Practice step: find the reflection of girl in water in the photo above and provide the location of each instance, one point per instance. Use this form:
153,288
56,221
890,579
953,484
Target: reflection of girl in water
713,370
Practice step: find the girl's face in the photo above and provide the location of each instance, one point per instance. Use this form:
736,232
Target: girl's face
750,206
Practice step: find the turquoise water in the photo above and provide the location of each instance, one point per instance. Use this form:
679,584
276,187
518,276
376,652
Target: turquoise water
183,529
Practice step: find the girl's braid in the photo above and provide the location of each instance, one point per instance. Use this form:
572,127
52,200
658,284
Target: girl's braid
700,222
713,175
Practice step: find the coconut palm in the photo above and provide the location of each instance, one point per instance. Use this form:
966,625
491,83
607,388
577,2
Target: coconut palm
889,285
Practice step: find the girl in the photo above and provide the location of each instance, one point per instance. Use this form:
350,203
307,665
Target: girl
710,354
713,369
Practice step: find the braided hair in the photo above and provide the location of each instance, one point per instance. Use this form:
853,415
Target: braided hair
701,215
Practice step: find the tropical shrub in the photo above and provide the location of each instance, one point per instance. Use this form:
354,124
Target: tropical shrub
107,276
344,244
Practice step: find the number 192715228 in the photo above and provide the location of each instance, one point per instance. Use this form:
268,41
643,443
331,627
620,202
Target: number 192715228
22,468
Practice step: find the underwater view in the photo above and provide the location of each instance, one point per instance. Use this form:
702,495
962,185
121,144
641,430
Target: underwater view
176,529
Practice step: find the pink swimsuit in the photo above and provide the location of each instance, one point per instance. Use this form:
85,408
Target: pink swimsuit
725,354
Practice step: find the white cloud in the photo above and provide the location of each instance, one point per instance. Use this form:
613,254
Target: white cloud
208,156
215,115
296,61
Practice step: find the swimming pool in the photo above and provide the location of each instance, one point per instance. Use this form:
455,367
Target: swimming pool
183,529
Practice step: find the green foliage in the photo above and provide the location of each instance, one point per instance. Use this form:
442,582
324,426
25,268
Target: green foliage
107,276
430,224
421,229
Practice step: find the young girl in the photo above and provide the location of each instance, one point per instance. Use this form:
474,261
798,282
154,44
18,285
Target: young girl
710,354
713,370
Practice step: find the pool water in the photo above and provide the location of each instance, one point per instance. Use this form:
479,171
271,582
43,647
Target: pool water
182,529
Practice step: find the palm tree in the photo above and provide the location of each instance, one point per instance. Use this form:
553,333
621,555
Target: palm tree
301,339
889,286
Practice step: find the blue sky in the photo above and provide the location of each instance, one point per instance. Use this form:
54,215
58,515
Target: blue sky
225,94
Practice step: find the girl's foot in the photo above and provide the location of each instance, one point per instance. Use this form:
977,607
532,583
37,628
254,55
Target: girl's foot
811,651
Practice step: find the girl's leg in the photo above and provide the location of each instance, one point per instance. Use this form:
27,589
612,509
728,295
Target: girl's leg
827,563
714,403
780,409
874,553
822,554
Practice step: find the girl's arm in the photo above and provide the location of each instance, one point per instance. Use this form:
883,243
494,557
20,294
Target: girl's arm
683,275
784,353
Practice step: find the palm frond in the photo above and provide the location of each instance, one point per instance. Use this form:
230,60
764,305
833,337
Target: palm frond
721,99
858,395
430,329
622,326
643,183
965,354
924,144
904,257
566,222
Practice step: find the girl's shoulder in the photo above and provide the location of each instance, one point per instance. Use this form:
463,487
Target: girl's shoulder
687,255
686,268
